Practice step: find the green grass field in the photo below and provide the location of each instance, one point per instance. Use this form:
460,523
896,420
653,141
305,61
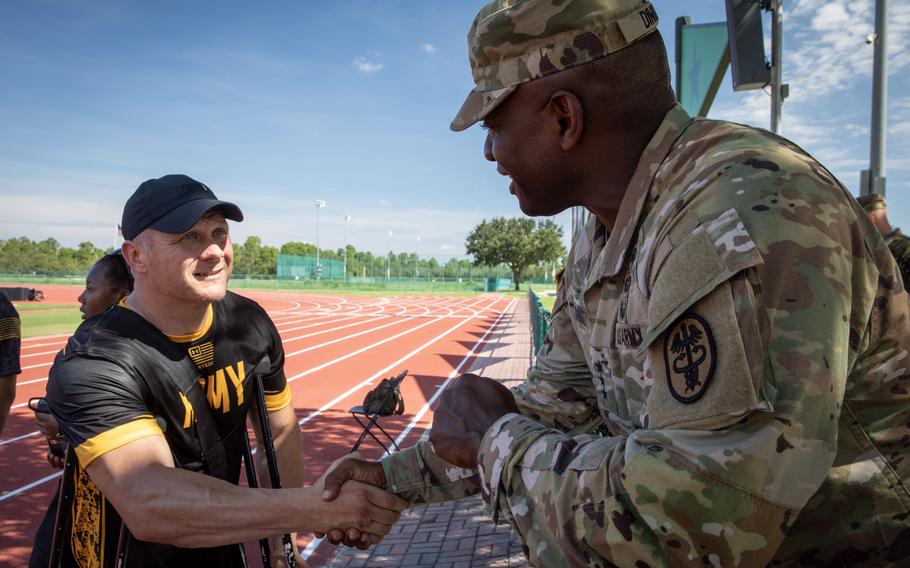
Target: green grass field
48,319
37,306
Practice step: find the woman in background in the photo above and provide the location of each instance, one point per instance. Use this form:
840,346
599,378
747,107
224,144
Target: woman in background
108,282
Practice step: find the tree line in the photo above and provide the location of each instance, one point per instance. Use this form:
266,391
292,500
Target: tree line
518,247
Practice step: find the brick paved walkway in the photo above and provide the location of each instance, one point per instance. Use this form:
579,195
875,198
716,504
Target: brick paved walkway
458,534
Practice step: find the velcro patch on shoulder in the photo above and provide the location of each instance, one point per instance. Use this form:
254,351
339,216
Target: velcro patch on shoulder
690,357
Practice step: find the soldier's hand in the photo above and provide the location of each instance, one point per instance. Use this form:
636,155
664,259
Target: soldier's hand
466,411
347,473
352,468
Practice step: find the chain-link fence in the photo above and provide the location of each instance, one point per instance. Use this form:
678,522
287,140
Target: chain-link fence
540,320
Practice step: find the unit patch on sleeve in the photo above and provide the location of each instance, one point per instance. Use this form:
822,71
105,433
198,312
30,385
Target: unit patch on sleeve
689,356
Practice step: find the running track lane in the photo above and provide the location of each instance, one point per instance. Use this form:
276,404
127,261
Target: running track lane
343,346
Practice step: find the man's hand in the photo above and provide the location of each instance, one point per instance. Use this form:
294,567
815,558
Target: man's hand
352,474
51,430
350,468
466,411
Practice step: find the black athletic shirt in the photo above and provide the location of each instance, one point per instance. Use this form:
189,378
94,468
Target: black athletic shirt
10,335
101,405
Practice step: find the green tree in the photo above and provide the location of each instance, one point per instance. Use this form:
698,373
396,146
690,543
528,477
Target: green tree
516,242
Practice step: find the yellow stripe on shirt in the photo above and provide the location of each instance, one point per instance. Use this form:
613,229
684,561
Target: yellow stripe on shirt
277,401
96,446
10,328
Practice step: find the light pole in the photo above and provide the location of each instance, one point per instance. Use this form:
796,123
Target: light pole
416,255
388,264
319,205
347,219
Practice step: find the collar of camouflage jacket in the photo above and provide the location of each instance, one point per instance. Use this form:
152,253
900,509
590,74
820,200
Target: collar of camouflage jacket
610,259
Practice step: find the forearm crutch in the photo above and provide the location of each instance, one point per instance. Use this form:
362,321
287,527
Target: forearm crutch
269,447
253,481
64,502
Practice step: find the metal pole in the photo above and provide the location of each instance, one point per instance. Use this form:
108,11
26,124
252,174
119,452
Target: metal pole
388,260
347,218
319,205
416,256
777,23
874,178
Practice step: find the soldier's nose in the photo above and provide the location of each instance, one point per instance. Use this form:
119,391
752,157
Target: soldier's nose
488,147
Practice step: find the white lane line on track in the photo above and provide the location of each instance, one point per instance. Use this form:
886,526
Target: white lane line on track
368,381
314,544
38,354
43,337
451,376
345,338
22,437
324,331
24,488
324,365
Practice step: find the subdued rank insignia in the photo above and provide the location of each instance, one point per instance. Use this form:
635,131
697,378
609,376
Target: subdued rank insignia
689,358
203,355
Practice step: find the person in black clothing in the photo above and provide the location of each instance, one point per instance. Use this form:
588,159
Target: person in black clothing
10,340
154,394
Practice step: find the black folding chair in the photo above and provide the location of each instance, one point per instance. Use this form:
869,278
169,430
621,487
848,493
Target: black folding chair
360,414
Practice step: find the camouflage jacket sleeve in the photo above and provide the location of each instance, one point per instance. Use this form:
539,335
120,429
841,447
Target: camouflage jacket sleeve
419,476
557,392
783,278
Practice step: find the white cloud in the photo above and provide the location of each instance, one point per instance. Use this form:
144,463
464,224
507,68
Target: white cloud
830,17
428,47
365,66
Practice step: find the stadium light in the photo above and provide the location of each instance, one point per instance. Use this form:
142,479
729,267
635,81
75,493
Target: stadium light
388,264
347,219
416,255
319,203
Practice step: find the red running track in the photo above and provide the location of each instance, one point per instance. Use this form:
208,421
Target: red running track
337,348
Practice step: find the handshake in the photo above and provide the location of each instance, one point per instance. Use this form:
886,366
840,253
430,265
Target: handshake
358,510
465,412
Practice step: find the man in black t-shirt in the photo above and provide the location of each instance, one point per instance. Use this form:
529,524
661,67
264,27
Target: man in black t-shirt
153,395
10,339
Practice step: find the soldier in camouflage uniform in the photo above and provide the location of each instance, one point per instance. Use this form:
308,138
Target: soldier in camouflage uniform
724,382
877,209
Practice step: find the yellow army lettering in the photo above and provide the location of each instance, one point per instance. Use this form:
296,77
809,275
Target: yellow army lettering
216,386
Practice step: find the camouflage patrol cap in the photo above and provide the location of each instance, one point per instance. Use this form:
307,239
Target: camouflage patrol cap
872,202
514,41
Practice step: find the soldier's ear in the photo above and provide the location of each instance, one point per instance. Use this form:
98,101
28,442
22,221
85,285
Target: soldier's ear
567,118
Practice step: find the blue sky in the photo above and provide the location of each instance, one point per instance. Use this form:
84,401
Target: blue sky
276,105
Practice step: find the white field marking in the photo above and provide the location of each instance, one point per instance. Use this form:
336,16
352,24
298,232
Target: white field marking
283,341
329,405
294,318
451,376
38,354
17,438
32,381
335,320
340,339
43,337
476,313
37,345
24,488
27,367
314,544
380,373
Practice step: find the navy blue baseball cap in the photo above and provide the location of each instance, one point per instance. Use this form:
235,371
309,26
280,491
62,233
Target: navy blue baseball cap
171,204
